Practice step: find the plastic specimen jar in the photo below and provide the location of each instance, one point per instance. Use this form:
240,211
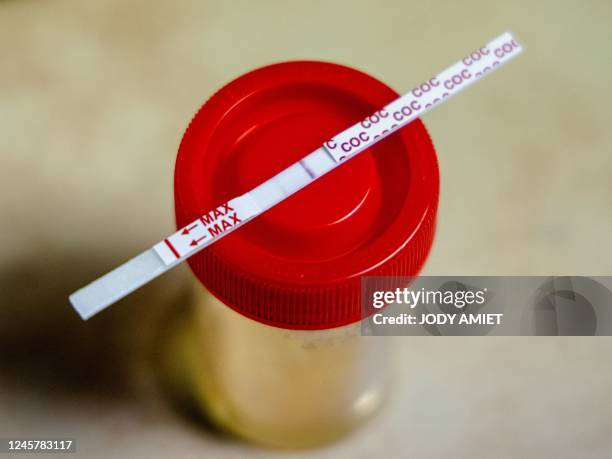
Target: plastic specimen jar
271,348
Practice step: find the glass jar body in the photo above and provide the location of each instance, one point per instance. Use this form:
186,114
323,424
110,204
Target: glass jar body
279,387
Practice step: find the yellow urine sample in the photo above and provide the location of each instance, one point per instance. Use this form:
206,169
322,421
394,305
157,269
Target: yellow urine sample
274,386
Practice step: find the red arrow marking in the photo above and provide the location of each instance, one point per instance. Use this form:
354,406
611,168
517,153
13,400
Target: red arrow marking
188,228
195,241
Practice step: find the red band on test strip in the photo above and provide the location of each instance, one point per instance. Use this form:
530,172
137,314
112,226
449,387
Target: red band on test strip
171,247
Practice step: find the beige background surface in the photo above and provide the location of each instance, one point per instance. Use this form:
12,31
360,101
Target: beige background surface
94,98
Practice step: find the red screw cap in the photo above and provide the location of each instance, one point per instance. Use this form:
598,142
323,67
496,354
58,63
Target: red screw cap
298,265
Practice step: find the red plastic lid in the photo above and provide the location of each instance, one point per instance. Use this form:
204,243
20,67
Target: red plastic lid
298,265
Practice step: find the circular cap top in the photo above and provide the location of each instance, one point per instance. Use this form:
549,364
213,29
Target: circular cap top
298,265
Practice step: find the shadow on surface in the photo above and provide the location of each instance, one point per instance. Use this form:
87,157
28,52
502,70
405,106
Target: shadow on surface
46,348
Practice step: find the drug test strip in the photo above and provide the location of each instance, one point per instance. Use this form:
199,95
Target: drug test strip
222,220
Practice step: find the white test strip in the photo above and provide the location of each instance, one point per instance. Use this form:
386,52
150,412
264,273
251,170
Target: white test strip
423,97
227,217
